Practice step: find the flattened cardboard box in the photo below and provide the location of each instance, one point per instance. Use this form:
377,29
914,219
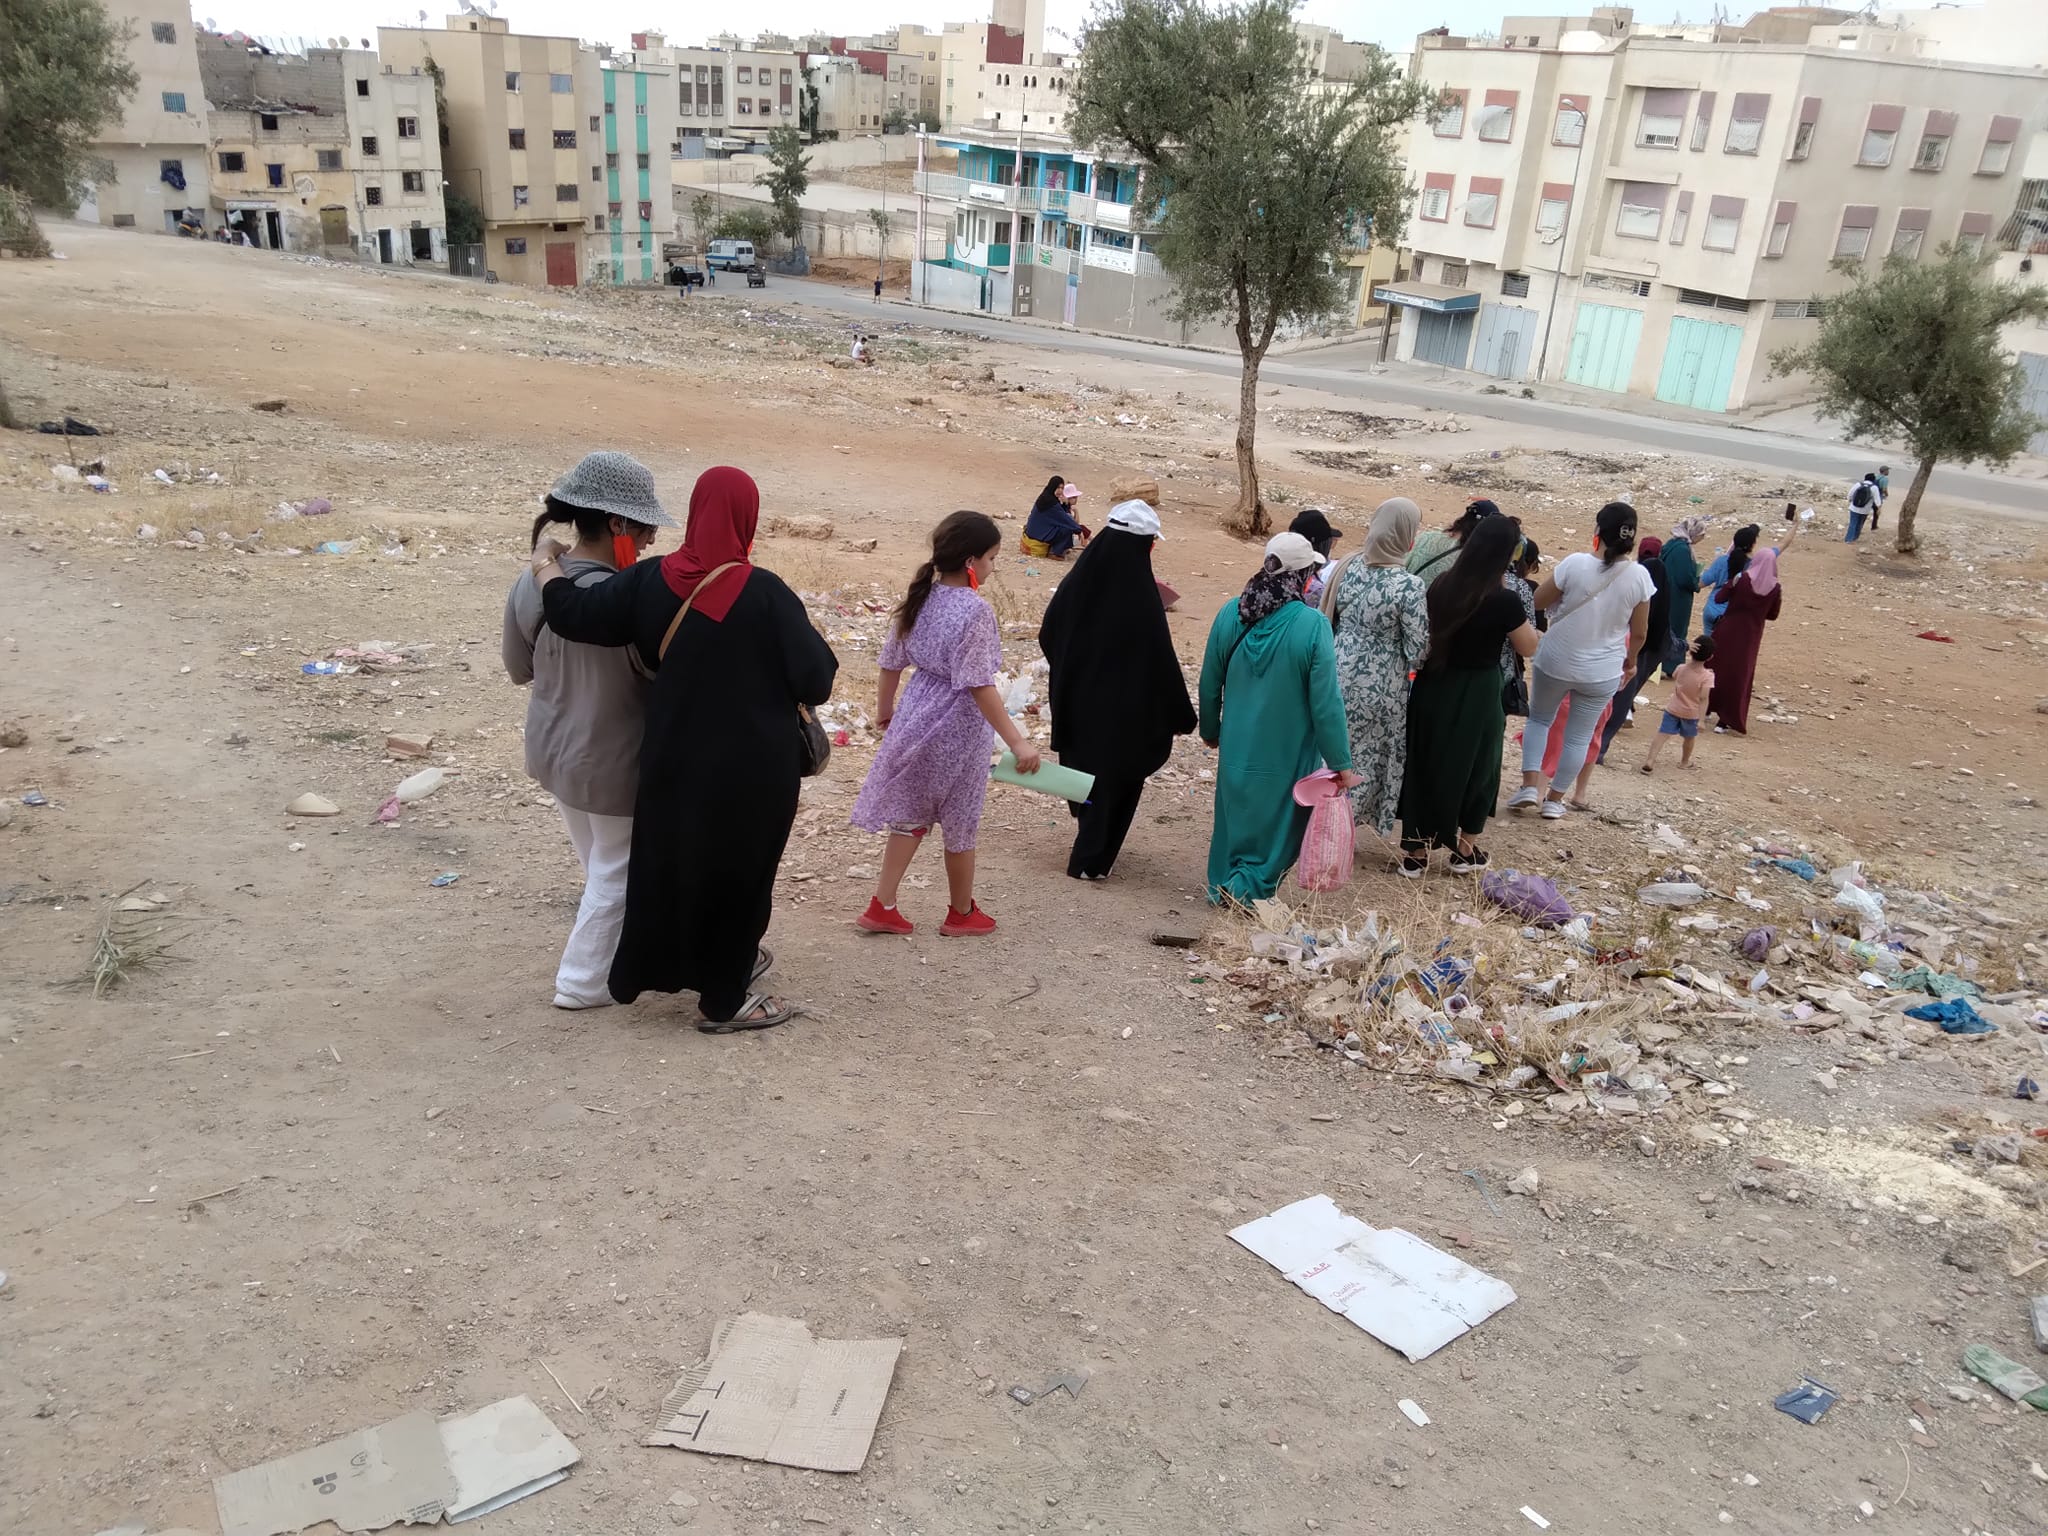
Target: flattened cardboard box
768,1391
361,1482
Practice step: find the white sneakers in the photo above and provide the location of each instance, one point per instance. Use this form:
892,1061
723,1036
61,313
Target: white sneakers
1525,798
1554,810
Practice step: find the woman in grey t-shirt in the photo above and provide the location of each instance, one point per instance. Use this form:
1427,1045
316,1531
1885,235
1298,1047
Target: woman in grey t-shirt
588,707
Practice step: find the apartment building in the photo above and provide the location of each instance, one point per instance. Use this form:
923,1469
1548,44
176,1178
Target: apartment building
330,152
526,130
1655,216
726,90
851,94
640,130
158,147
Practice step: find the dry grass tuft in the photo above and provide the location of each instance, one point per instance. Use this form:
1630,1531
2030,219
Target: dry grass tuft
128,943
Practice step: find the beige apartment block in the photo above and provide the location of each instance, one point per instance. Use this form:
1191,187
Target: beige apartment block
1650,216
157,151
725,90
638,214
328,153
851,97
525,136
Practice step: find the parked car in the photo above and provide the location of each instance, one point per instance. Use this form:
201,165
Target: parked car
731,255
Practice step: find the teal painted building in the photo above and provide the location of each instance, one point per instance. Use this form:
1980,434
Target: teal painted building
630,248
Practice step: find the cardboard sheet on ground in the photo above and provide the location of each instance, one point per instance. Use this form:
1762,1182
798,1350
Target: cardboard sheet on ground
501,1454
1405,1293
768,1391
362,1482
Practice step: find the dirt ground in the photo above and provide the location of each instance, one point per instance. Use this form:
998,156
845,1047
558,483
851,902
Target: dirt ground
425,1187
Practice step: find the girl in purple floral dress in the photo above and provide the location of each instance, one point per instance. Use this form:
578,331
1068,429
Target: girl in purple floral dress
933,766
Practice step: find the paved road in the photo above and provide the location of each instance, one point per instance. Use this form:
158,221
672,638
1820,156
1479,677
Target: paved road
1343,370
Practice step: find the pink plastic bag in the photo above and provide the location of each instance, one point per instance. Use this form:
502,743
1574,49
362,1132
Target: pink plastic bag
1326,847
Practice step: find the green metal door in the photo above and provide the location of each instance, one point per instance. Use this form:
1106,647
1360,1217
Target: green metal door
1699,363
1604,338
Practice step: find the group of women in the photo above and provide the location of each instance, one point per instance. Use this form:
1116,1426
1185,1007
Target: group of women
1432,639
666,717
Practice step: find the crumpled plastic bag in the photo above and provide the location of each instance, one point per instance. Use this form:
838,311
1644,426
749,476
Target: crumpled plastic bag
1956,1017
1534,898
1756,944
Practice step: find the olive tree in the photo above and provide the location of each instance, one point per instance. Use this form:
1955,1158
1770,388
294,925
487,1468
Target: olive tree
1257,179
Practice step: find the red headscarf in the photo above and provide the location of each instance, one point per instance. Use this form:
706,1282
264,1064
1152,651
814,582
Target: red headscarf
725,504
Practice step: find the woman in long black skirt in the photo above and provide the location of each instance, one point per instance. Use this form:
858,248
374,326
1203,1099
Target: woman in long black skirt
1456,722
721,760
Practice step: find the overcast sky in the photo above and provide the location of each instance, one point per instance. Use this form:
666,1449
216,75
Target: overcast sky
1387,22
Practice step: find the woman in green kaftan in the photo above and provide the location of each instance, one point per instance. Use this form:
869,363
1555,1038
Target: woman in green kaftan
1270,704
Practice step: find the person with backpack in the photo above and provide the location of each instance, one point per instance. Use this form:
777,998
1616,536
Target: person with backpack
1864,501
1884,493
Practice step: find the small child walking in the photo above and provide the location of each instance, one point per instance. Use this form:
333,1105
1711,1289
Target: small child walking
933,765
1690,686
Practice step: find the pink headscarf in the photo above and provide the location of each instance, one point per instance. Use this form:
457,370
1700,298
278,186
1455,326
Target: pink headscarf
1762,573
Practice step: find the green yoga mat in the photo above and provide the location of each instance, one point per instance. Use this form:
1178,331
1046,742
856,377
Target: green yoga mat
1051,778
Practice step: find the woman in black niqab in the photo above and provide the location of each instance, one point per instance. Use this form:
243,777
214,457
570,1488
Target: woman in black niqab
1118,697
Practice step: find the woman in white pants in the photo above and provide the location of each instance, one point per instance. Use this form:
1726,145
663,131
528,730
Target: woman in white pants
1599,607
589,706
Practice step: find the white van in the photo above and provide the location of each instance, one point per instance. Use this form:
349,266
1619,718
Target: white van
731,255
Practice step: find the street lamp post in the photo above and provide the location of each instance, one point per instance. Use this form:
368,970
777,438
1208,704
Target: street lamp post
1564,237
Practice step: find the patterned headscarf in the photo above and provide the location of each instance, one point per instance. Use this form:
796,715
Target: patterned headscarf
1271,590
1690,529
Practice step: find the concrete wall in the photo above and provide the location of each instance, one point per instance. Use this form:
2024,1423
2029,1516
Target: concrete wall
828,233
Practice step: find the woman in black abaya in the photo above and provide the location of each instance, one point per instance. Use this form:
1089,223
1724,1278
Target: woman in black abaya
1117,693
721,760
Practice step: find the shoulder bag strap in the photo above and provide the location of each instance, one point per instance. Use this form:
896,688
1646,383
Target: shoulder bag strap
1440,555
677,622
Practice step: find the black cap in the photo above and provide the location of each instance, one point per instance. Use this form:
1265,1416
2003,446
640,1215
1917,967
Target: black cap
1315,527
1482,506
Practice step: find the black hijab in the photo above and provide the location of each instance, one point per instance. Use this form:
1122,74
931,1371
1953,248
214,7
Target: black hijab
1049,499
1117,694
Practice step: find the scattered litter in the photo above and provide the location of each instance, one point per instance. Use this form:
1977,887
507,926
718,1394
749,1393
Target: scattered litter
2037,1311
1535,1519
412,790
313,805
1756,944
362,1482
1401,1290
1071,1383
1956,1017
1176,938
768,1391
2007,1377
445,878
400,745
1929,634
1803,868
501,1454
328,669
2027,1089
35,797
1415,1414
1533,898
1806,1403
337,547
1672,893
70,426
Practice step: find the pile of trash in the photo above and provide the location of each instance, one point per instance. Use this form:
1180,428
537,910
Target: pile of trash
1549,1011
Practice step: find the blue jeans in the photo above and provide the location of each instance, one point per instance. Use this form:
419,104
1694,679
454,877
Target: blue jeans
1545,694
1855,526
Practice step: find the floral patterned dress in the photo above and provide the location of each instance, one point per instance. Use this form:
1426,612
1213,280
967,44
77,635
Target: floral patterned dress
1382,619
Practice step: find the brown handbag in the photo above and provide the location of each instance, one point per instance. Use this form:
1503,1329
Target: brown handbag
812,742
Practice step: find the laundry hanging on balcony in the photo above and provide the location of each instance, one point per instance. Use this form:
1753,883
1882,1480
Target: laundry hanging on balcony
172,174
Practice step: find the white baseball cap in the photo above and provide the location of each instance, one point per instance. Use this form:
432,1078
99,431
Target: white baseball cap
1294,552
1135,517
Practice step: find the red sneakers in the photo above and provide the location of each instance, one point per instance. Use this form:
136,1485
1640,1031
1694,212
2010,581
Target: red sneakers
881,919
966,925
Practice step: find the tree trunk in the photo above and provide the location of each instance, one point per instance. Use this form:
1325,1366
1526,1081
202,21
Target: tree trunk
1908,541
1251,510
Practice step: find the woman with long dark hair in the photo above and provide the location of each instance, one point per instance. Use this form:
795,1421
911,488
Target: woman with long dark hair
588,708
1118,698
1456,724
1051,529
734,654
933,765
1727,565
1271,707
1435,550
1599,606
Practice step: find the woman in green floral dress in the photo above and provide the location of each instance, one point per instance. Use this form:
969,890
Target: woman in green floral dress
1381,614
